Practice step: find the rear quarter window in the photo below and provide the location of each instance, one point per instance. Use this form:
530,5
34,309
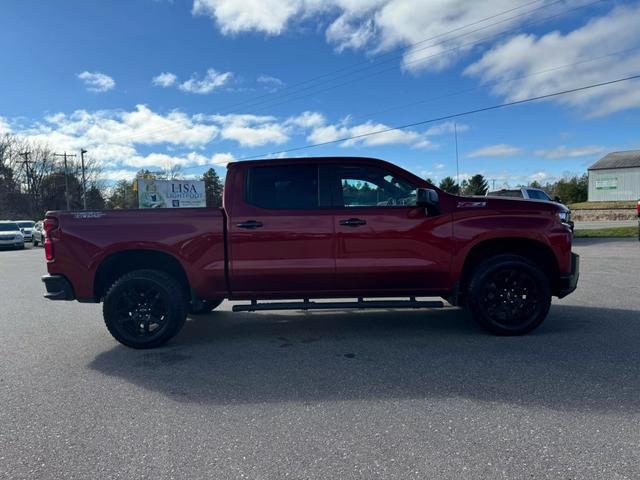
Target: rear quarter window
283,187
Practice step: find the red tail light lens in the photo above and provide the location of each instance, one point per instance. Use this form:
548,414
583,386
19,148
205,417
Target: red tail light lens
50,227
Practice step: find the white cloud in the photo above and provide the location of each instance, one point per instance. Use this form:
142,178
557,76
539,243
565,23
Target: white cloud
207,84
378,25
232,16
525,54
164,80
564,152
439,166
120,174
4,126
307,120
330,133
222,159
446,127
271,83
499,150
252,130
97,82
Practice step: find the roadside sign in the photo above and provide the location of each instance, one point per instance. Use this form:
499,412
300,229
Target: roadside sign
171,193
607,184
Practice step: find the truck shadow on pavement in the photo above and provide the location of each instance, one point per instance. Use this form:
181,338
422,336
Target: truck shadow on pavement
582,358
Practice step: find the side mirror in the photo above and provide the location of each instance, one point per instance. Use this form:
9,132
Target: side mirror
426,197
557,199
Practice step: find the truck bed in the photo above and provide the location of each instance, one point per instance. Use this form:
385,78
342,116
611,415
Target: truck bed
194,236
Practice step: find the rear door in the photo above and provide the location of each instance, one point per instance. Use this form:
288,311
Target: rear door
385,243
281,234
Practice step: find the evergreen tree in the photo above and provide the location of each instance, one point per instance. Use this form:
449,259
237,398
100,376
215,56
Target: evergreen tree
213,188
449,185
477,185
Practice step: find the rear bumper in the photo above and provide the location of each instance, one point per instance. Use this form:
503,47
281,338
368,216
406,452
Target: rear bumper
569,281
58,288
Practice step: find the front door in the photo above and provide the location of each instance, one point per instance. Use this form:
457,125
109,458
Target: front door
385,243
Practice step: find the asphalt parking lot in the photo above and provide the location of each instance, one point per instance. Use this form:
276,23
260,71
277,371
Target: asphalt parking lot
348,395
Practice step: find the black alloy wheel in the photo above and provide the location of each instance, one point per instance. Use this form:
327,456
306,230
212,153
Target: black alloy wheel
509,295
144,309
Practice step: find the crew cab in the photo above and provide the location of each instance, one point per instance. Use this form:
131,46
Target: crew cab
294,230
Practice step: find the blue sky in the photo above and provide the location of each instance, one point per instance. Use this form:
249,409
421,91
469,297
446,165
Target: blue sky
154,83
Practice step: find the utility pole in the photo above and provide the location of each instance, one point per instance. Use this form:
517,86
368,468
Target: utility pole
29,176
493,182
66,177
84,182
455,134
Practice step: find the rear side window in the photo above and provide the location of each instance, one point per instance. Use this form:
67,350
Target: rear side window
283,187
506,193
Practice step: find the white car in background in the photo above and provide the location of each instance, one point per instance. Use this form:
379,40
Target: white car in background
26,226
38,234
10,235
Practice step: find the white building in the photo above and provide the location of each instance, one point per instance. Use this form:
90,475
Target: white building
615,176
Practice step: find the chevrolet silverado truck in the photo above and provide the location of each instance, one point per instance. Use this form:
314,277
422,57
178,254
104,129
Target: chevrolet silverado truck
293,233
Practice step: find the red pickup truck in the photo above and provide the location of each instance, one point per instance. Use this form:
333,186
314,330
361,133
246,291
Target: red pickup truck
313,228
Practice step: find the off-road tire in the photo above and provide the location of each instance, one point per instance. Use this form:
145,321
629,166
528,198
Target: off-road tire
141,299
509,295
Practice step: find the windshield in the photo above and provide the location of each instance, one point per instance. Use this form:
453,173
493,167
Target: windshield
26,224
8,227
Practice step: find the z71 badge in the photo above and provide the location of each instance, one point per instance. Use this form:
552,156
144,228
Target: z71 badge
468,204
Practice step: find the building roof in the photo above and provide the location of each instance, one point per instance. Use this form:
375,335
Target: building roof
628,159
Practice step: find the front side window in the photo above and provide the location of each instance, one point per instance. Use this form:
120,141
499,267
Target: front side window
283,187
369,186
538,195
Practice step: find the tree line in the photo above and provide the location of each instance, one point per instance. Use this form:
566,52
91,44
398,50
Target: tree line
570,188
34,178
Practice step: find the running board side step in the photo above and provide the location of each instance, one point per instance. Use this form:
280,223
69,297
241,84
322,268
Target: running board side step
254,306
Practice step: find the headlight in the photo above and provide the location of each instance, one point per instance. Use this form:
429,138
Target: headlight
564,216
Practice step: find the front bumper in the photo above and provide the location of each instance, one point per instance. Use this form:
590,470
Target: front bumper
569,281
11,244
58,288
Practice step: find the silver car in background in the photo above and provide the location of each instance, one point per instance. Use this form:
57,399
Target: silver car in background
26,226
10,235
38,234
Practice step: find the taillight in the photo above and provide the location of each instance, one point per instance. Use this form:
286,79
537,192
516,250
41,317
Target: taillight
638,208
50,227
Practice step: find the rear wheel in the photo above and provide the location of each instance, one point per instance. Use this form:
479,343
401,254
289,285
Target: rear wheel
204,307
144,308
509,295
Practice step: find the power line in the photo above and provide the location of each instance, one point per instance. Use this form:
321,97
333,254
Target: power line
494,84
470,44
403,49
446,117
267,103
394,51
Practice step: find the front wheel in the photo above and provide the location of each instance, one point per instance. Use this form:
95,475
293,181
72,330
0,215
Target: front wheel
145,308
35,242
509,295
